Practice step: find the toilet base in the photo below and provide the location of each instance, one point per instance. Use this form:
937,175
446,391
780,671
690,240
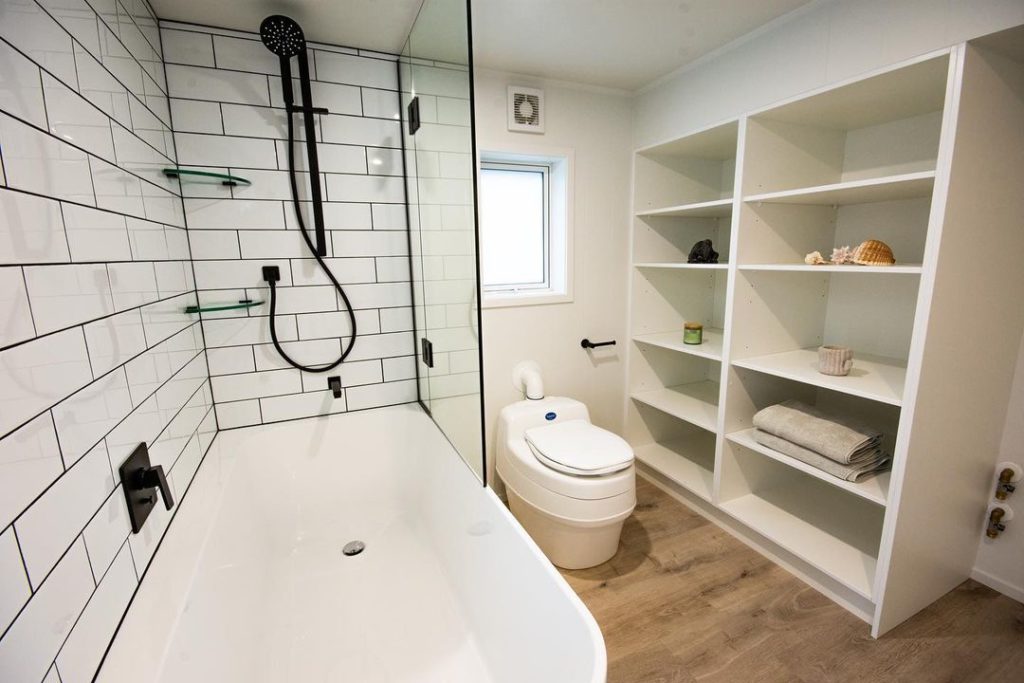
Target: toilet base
569,545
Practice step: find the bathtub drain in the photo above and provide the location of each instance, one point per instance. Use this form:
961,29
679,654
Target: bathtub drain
353,548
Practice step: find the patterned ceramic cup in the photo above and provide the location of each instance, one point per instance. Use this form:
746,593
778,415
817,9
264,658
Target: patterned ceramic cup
835,360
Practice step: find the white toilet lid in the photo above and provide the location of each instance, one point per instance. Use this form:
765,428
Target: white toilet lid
578,447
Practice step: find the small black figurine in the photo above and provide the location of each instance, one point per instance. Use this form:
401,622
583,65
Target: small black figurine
703,252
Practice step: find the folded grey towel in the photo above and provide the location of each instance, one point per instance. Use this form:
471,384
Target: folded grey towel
845,440
878,461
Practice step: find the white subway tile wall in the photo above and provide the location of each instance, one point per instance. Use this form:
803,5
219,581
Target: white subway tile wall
96,352
225,93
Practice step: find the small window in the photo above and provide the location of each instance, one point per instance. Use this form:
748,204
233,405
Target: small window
523,227
514,220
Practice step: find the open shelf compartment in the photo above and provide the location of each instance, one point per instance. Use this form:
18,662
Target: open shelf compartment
679,452
692,170
882,126
836,532
875,489
781,318
693,402
779,233
751,391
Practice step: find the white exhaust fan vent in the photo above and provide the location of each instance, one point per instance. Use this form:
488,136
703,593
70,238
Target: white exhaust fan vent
525,109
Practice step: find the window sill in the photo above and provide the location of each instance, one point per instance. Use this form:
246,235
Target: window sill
541,298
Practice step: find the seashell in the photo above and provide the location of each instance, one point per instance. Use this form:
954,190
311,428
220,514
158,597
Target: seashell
874,253
842,255
814,259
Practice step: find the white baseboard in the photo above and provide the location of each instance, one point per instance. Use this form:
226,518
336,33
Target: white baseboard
997,584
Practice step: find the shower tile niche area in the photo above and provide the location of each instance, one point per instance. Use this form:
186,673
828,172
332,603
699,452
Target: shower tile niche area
229,117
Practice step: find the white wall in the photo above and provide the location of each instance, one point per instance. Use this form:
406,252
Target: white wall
1000,562
595,126
827,42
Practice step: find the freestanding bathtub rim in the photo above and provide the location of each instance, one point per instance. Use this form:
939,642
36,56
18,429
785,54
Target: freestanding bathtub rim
148,627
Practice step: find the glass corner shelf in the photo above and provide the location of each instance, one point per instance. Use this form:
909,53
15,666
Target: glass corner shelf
190,174
244,303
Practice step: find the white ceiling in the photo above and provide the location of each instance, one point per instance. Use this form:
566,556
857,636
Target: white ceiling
370,24
622,44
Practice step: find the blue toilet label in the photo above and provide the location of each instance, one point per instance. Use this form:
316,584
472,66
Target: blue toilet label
550,416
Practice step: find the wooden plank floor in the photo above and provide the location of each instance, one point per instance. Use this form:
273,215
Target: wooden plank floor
685,601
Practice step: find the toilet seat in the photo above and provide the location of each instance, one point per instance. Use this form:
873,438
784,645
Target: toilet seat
578,448
521,469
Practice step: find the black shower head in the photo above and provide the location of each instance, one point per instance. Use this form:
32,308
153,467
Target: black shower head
282,36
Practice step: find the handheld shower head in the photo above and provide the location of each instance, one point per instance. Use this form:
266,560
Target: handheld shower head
282,36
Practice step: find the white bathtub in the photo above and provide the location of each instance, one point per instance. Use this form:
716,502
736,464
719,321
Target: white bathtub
250,583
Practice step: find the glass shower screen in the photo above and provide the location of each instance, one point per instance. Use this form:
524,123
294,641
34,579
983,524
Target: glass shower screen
435,71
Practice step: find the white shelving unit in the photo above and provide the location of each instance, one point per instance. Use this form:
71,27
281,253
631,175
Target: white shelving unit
869,158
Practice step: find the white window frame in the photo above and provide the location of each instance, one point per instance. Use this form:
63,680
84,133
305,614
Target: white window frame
509,289
558,229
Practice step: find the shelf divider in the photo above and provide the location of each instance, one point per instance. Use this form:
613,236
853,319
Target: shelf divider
888,188
718,208
684,266
898,269
711,348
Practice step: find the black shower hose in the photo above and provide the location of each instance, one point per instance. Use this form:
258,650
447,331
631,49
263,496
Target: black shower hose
347,348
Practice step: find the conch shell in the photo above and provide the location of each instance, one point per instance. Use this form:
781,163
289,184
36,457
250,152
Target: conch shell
814,259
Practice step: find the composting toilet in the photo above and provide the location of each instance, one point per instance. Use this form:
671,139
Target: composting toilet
569,483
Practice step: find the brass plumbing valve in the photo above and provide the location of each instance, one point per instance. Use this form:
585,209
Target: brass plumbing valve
1005,486
995,522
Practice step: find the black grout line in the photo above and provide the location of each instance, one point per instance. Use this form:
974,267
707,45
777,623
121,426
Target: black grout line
88,600
314,417
85,342
147,350
47,264
92,570
90,156
94,208
102,317
75,42
117,37
28,300
76,91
